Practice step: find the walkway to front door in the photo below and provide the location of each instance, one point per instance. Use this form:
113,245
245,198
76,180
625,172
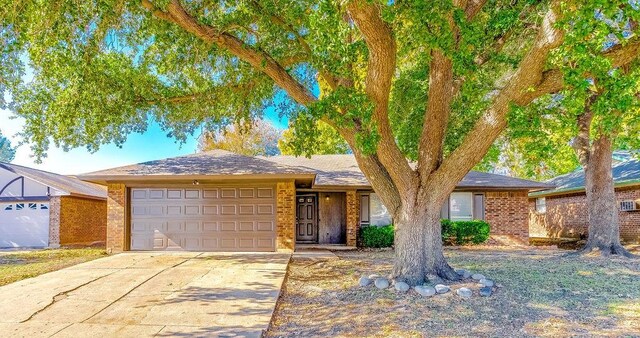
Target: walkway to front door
307,219
145,294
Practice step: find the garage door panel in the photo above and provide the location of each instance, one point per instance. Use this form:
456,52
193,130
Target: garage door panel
24,224
206,218
228,226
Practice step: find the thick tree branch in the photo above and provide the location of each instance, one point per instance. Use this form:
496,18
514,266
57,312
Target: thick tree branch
582,142
260,60
473,8
528,76
430,148
381,68
326,76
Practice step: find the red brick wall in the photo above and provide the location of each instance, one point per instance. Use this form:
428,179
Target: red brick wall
566,216
508,213
82,221
116,217
286,216
353,217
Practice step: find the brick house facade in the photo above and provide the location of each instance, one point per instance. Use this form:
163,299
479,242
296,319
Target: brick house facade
220,201
566,216
77,221
42,209
507,212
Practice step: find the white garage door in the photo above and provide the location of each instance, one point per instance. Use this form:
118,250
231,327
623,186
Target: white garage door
24,224
204,219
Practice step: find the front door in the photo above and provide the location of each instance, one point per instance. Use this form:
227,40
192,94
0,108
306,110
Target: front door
306,219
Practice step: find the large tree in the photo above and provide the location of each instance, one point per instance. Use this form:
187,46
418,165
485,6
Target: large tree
597,111
252,138
453,69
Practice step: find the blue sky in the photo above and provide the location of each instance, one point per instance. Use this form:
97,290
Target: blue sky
151,145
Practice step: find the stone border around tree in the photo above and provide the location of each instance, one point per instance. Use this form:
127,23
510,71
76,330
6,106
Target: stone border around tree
485,287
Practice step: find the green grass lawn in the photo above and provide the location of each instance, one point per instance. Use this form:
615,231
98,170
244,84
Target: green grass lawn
21,265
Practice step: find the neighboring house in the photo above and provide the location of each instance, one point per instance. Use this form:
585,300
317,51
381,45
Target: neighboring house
221,201
43,209
562,211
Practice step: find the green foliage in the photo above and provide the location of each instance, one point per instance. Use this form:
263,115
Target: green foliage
464,232
7,152
377,236
539,140
459,232
320,139
102,70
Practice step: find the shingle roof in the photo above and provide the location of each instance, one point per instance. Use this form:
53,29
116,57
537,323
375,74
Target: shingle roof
214,162
336,170
65,184
329,170
624,173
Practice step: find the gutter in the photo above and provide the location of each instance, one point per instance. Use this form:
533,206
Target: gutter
565,191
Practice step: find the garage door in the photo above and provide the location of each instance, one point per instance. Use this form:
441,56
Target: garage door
204,219
24,224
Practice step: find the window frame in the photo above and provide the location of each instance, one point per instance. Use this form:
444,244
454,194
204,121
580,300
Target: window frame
541,208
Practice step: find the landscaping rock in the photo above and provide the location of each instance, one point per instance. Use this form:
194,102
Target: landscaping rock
434,279
425,290
478,276
466,274
381,283
441,288
464,292
485,291
486,282
460,272
364,281
374,276
401,286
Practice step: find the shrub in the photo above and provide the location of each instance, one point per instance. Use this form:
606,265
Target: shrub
460,232
463,232
377,237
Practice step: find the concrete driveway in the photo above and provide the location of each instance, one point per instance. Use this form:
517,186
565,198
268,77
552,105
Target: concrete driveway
148,294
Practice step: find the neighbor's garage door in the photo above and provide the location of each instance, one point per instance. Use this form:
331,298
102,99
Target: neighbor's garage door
207,219
24,224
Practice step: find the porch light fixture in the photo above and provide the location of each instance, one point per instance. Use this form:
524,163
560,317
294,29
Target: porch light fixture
326,197
196,182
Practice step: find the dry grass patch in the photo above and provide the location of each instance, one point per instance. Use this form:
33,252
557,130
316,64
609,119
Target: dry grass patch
21,265
543,293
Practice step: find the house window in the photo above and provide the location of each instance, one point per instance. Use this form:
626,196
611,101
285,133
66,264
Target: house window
33,206
373,211
461,206
541,205
9,207
44,207
378,213
19,206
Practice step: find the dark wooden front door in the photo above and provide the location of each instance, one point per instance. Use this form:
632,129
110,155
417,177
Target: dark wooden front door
307,219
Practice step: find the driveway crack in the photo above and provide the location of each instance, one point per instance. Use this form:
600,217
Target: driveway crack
62,295
140,284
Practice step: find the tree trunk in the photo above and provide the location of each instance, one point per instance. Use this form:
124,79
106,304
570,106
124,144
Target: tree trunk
604,226
418,244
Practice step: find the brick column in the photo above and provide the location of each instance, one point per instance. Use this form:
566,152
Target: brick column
353,217
116,217
286,216
54,222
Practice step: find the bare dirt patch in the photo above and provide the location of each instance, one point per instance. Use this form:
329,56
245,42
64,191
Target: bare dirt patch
543,293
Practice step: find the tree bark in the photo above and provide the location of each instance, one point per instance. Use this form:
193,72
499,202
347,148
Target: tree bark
604,225
418,242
